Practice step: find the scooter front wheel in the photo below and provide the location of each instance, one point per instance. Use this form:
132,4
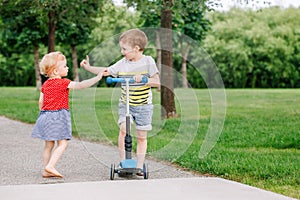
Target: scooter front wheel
112,172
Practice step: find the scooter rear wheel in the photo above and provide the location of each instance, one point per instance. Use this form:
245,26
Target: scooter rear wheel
145,171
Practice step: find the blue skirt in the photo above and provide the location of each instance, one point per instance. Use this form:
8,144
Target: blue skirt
53,125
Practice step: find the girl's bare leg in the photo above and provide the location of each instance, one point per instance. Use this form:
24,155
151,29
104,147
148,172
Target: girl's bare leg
47,152
47,155
141,148
56,155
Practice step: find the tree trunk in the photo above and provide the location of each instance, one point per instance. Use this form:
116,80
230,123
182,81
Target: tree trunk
184,54
158,47
51,36
51,33
74,63
167,83
38,81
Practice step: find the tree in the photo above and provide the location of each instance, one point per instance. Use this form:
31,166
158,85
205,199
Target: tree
167,83
20,34
189,21
255,49
75,20
76,24
76,16
26,29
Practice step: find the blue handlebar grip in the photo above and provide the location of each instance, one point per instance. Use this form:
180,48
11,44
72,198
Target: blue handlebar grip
145,79
108,80
131,80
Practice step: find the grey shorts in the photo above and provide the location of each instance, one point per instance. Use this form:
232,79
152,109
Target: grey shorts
141,115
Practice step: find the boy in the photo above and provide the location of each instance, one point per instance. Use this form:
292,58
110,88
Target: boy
136,65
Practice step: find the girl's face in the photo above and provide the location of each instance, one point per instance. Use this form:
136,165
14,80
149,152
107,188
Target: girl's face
128,52
62,68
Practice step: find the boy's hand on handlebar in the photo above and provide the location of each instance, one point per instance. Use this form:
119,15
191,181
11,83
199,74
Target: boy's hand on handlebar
137,78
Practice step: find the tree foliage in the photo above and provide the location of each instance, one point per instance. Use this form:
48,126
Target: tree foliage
250,48
26,25
256,48
23,26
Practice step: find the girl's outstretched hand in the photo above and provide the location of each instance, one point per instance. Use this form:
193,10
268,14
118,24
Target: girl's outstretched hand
106,72
85,63
100,74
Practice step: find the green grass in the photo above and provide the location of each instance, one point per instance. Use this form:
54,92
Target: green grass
259,144
19,103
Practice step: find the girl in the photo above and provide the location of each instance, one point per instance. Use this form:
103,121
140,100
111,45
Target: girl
54,121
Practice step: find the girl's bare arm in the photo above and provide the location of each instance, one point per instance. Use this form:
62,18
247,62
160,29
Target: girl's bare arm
86,83
41,101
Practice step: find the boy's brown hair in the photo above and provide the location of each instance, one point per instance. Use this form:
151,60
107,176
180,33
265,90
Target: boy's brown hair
135,37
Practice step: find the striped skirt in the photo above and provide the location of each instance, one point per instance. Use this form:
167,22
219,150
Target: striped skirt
53,125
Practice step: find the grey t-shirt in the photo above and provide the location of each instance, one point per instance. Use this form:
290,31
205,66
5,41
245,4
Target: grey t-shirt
140,93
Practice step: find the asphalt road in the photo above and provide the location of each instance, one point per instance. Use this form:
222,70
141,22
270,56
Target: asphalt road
21,159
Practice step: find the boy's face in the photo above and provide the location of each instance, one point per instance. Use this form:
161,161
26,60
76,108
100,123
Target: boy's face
128,51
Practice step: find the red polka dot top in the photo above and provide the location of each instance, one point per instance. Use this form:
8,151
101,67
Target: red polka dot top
56,94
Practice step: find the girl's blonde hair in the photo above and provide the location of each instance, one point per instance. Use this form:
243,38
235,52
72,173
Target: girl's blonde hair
49,62
135,37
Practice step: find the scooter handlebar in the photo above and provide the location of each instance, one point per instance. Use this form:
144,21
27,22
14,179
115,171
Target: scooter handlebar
111,80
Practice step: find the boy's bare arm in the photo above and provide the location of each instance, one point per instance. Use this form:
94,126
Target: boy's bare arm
154,81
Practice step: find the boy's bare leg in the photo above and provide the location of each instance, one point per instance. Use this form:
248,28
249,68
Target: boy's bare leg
121,141
141,149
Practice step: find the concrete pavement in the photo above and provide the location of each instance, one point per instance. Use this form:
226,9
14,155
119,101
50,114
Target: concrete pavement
176,189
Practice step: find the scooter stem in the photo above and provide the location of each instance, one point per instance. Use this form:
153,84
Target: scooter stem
128,139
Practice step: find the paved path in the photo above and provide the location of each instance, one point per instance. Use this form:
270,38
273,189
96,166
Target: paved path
86,167
21,159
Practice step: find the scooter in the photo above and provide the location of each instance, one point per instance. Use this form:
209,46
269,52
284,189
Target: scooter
127,167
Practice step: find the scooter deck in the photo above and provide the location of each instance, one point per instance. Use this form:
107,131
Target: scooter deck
128,171
128,167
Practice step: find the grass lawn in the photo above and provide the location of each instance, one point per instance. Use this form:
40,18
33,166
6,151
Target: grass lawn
259,144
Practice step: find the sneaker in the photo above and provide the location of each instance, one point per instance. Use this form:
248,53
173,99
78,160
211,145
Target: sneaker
119,166
140,172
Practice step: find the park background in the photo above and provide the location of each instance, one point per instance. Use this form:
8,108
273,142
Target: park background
256,51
